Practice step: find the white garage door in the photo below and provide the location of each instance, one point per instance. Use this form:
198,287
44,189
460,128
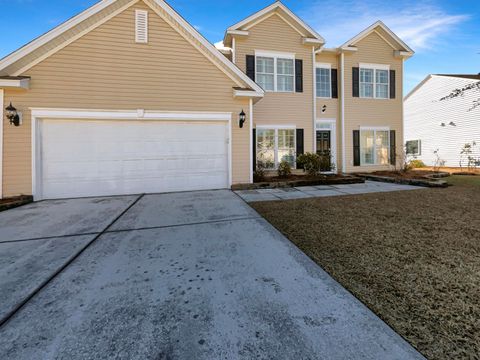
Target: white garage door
95,158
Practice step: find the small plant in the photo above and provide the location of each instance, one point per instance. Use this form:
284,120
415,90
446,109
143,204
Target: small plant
310,162
466,155
259,173
439,162
416,164
284,169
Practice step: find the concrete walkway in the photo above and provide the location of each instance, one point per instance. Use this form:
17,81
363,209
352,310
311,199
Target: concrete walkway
305,192
172,276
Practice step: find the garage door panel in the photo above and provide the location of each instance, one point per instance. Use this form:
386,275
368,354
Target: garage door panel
94,158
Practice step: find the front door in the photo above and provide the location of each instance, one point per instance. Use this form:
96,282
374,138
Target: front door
324,149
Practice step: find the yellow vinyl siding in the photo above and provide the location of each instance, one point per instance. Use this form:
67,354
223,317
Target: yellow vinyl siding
106,69
372,112
274,34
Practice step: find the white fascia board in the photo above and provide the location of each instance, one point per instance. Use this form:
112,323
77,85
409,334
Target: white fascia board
15,83
374,66
402,54
140,114
247,93
238,33
312,41
266,53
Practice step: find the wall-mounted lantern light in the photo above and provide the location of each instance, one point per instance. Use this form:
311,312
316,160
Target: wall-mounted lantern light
12,115
242,117
324,109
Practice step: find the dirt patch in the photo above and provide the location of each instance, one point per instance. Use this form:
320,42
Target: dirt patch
414,174
413,257
12,202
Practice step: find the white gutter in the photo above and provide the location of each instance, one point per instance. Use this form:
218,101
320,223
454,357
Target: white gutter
342,109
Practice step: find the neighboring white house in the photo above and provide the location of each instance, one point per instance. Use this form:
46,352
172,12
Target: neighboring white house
444,126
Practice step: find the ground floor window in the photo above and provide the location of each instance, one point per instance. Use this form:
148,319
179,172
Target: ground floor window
374,147
414,147
274,146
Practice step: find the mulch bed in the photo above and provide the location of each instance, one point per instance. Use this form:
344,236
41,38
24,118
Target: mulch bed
413,257
299,180
13,202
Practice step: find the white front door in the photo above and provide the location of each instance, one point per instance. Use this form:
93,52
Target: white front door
80,158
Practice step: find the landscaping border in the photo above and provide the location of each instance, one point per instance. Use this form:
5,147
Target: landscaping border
431,183
346,180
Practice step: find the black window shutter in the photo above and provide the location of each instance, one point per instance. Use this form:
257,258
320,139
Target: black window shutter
251,67
356,147
334,83
254,144
300,145
298,75
356,81
393,148
392,84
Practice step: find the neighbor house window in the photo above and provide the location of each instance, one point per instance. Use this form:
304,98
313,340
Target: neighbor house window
275,73
374,82
374,147
414,147
324,82
275,146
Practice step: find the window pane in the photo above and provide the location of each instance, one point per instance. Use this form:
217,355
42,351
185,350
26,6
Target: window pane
286,146
324,86
265,65
367,147
266,82
266,148
285,66
382,145
284,83
413,147
366,75
366,90
382,91
382,77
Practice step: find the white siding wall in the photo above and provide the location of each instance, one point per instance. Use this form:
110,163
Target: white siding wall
424,113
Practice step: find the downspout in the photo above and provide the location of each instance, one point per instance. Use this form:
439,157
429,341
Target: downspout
403,107
342,111
1,142
314,145
250,113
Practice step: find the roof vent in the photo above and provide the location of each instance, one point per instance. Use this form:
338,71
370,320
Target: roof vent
141,26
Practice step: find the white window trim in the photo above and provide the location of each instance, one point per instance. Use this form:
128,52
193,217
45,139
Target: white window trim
275,56
319,65
419,146
276,128
2,103
375,67
374,129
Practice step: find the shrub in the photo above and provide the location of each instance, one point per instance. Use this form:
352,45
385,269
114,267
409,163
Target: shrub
416,164
284,169
310,162
259,173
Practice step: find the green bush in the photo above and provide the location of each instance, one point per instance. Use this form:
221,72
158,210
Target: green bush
310,162
284,169
416,164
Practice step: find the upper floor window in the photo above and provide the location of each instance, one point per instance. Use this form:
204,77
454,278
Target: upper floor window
374,81
275,72
323,77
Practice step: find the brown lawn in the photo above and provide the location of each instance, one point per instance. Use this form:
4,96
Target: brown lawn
412,257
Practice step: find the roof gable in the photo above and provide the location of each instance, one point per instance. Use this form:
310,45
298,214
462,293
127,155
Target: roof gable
279,9
386,34
56,39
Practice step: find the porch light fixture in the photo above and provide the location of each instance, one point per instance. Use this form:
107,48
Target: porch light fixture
242,117
12,115
324,109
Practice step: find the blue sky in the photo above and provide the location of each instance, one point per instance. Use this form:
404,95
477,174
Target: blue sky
444,34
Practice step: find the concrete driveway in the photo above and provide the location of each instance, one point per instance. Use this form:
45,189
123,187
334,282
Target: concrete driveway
171,276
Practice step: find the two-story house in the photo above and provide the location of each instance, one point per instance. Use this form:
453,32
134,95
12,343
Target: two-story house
128,97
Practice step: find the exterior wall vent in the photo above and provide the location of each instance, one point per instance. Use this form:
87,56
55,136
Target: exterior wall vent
141,26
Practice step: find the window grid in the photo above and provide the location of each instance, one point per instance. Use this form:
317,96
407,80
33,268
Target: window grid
374,83
275,145
374,147
324,82
280,70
